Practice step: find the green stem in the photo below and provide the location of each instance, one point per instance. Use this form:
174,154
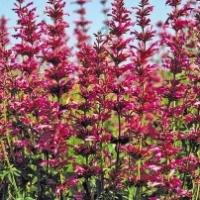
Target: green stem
12,177
198,192
118,144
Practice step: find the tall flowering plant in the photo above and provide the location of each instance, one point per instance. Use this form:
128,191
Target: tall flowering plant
178,92
81,25
117,47
5,96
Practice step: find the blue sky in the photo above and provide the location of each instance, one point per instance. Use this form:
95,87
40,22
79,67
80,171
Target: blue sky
93,8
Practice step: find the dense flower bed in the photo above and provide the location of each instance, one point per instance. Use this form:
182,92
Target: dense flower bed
117,118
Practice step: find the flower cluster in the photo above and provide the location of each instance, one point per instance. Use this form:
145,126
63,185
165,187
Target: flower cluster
114,119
